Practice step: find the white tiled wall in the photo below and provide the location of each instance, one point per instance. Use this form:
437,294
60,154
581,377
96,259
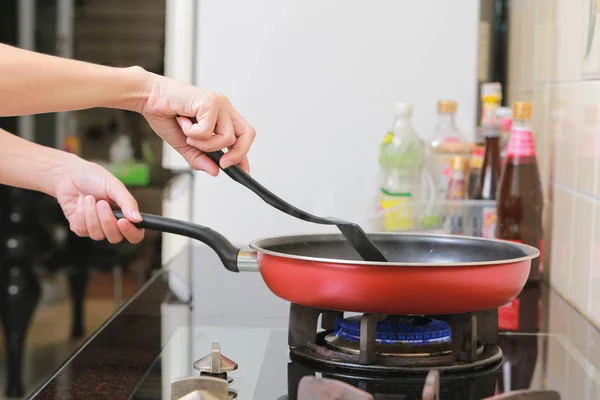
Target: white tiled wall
549,65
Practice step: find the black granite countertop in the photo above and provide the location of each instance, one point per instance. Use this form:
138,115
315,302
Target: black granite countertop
113,360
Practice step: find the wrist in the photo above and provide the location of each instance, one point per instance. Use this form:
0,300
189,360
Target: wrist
132,86
55,168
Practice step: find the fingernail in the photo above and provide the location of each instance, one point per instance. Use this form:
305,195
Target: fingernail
190,141
135,214
226,164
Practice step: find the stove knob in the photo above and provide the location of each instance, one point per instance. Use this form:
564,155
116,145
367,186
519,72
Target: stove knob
199,388
431,391
311,387
215,364
528,394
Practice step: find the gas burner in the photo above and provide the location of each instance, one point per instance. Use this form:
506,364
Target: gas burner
384,344
395,336
389,363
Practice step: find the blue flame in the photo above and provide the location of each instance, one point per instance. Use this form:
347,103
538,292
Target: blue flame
407,330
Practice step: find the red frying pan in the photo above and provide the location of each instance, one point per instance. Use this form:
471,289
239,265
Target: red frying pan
425,274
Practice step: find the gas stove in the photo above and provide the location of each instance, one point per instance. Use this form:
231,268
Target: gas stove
324,354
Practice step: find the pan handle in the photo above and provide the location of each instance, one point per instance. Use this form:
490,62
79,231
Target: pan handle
234,259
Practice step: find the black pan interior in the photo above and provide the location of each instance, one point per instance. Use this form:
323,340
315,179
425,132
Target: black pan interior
402,248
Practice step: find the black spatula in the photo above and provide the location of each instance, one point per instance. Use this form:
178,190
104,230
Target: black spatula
363,245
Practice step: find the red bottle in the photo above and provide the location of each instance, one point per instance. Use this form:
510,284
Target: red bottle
520,199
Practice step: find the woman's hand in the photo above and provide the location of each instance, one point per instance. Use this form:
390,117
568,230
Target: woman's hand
85,191
170,106
194,121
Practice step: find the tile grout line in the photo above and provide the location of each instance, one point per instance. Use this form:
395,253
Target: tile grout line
556,131
589,345
579,358
570,303
575,154
571,244
574,192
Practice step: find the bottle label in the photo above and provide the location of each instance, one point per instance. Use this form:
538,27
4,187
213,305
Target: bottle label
457,189
441,172
506,124
398,213
388,138
489,222
520,143
452,139
488,110
508,316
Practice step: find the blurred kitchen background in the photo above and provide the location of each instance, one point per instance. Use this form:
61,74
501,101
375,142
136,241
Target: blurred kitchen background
318,80
71,286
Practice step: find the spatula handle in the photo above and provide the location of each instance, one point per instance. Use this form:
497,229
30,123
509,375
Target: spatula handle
241,177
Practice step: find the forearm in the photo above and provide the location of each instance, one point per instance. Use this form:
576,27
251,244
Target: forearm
28,165
32,83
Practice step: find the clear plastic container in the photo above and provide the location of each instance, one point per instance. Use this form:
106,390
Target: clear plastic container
456,217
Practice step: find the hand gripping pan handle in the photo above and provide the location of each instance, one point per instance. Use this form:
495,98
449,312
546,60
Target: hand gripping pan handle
226,251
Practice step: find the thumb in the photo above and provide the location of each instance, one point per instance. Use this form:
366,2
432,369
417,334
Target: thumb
122,198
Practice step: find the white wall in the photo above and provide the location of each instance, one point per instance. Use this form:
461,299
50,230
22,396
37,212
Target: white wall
317,79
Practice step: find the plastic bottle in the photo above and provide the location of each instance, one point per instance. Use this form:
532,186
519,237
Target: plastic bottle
401,159
446,143
520,197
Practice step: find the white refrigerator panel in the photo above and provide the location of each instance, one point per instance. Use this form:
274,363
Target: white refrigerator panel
317,79
180,31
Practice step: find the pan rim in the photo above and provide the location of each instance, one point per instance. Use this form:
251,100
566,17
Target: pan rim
259,246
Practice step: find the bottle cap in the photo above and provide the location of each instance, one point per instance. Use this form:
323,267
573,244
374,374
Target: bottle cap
446,106
491,91
459,163
403,109
522,110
